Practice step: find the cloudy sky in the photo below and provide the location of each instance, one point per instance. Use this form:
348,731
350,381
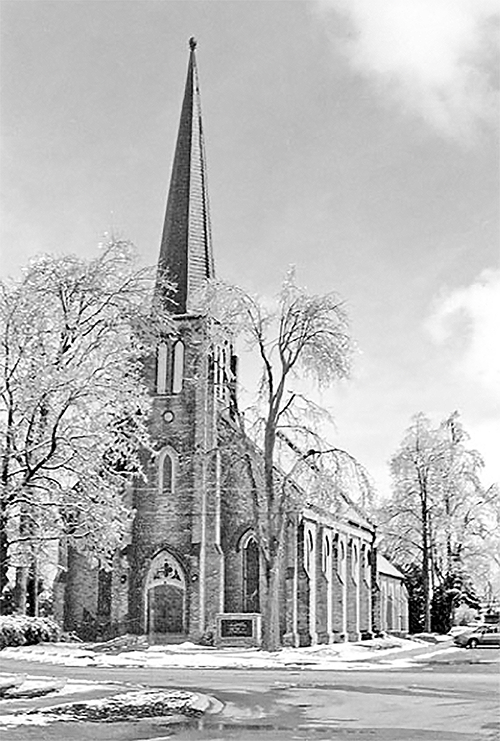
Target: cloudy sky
355,139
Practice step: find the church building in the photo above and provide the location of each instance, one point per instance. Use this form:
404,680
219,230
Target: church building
191,568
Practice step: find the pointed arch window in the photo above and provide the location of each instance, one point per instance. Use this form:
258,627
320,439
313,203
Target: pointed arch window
355,561
326,554
161,368
342,558
367,562
251,573
222,371
177,367
167,471
309,550
219,372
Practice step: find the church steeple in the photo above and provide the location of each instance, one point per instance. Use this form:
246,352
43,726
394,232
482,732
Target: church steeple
186,247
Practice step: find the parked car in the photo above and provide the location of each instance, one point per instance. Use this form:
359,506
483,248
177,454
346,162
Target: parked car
459,629
484,635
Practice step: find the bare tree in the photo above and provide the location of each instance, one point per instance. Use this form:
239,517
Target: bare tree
74,404
304,334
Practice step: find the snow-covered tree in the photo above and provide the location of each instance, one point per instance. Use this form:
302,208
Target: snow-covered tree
438,513
74,406
300,334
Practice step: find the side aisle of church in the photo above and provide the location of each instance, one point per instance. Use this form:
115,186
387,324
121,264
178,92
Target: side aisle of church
192,555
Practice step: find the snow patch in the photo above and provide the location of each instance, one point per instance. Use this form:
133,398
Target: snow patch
189,655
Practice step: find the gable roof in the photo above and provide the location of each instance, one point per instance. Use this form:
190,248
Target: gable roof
321,498
384,566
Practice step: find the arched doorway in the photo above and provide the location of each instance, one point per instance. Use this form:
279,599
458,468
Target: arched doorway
165,597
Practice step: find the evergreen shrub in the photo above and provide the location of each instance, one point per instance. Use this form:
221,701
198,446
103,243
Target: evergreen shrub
21,630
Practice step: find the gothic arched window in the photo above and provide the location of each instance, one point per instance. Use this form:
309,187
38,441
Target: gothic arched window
309,550
177,367
342,558
161,368
367,560
251,573
222,372
354,562
327,554
167,470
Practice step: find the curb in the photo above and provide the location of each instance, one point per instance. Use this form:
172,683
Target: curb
205,704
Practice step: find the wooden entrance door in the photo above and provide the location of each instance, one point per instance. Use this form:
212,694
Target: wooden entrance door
166,596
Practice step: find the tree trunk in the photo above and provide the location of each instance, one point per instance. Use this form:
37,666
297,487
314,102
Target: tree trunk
4,553
4,542
21,590
426,576
35,605
271,629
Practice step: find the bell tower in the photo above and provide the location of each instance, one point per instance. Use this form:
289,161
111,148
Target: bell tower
176,563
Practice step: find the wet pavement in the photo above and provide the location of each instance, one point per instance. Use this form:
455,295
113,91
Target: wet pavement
431,702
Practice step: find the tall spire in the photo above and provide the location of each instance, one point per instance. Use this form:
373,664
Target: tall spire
186,247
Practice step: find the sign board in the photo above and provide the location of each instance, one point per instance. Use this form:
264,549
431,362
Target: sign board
238,629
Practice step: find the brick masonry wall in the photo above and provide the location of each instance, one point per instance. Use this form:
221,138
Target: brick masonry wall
172,520
375,595
351,598
303,592
289,629
214,557
365,605
119,616
337,589
321,591
236,516
80,607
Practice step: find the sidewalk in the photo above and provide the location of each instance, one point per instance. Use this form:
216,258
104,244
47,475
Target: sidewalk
189,655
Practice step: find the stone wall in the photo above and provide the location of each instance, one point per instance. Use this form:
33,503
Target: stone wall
81,595
173,518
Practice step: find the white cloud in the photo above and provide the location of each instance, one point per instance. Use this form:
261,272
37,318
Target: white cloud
471,316
435,56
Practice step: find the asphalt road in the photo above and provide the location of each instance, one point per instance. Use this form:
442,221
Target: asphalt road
452,698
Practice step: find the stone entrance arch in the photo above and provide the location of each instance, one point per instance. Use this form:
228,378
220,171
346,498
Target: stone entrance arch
165,596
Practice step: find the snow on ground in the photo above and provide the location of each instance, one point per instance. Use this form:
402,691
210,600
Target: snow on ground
189,655
392,652
124,706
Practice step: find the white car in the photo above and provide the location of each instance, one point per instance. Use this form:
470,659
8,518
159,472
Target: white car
484,635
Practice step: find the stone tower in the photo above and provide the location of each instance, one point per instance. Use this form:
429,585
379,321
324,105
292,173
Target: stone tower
176,564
